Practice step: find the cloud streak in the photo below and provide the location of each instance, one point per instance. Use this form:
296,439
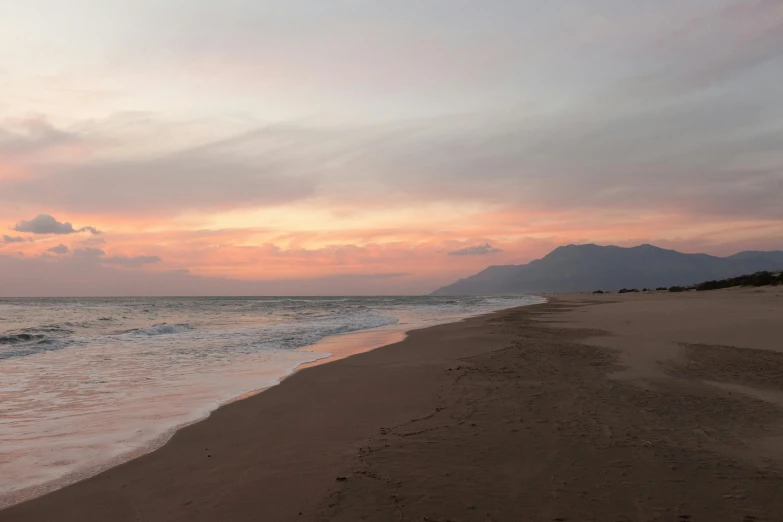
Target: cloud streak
131,262
80,276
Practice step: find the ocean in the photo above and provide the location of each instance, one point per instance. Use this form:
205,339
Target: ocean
90,382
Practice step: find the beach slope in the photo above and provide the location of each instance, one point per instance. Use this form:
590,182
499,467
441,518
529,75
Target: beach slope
651,406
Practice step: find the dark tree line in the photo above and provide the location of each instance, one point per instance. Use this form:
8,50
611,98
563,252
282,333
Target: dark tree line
763,278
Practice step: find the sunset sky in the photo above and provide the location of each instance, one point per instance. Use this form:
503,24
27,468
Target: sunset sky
367,146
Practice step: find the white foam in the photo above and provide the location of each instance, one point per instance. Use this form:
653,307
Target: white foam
161,329
95,405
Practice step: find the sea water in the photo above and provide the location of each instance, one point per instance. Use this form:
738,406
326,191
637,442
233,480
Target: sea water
87,383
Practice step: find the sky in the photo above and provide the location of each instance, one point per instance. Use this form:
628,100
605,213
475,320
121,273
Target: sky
194,147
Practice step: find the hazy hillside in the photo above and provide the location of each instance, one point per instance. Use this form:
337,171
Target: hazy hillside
584,268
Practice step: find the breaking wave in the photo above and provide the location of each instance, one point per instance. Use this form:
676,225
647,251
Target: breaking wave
20,338
161,329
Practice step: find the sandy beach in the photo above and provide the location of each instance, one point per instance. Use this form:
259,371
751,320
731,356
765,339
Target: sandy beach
635,407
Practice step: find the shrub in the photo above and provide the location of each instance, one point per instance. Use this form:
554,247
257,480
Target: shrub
758,279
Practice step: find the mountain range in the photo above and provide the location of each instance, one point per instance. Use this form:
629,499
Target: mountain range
585,268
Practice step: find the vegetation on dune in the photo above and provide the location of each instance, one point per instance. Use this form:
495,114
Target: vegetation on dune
757,279
763,278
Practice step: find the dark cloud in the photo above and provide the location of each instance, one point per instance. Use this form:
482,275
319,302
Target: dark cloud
13,239
131,262
59,249
479,250
46,224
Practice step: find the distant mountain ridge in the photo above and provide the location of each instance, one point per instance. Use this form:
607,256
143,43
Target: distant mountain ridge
584,268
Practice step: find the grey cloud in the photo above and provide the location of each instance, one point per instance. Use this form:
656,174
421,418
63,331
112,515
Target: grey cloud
13,239
88,253
263,168
46,224
131,262
711,155
59,249
735,45
727,42
31,136
693,157
96,255
479,250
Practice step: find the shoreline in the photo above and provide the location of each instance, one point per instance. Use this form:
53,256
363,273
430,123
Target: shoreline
351,347
583,408
337,346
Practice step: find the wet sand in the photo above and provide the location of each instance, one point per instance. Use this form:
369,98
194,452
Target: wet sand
345,345
652,406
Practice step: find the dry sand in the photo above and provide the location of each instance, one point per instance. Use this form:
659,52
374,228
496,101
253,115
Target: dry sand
640,407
